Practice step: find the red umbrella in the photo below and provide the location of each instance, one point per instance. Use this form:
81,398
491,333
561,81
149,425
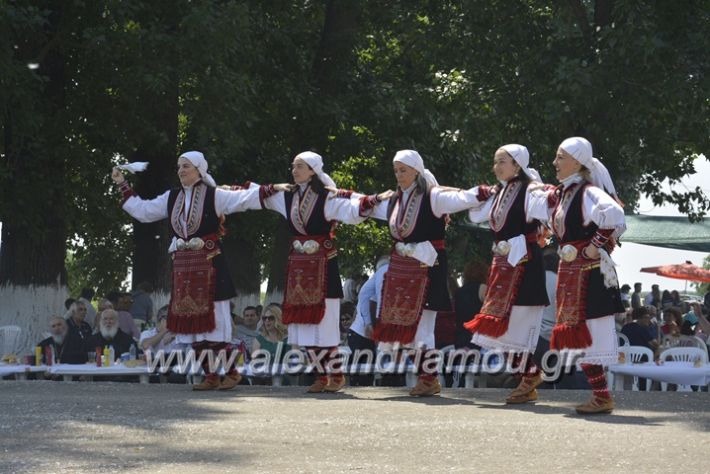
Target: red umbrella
682,271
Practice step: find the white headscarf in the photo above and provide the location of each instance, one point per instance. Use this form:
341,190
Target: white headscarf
581,150
315,161
522,157
198,161
413,159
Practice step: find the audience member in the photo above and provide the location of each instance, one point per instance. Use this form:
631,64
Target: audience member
159,338
248,331
68,302
654,297
626,296
468,300
110,334
122,303
76,320
271,334
666,300
347,310
86,295
638,330
636,296
142,306
67,346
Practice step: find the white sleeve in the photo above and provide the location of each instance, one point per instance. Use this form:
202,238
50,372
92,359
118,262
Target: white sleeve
147,210
449,201
346,210
537,205
277,203
229,202
603,210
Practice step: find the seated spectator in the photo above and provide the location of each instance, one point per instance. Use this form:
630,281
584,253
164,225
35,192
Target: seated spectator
675,298
67,346
347,312
104,304
122,304
638,332
87,294
110,335
672,321
76,320
248,331
272,334
159,338
666,300
142,306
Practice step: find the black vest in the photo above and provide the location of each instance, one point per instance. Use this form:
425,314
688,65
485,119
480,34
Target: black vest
209,225
601,301
318,225
430,227
532,290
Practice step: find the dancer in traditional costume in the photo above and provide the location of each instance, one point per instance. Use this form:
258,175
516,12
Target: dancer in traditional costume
510,318
311,306
587,218
201,285
415,283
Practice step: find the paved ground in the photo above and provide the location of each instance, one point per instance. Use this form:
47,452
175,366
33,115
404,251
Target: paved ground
108,427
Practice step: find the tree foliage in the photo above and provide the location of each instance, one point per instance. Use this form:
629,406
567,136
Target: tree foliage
253,83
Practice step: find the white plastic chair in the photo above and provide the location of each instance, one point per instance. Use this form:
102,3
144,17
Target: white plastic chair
635,355
623,340
9,338
691,341
683,354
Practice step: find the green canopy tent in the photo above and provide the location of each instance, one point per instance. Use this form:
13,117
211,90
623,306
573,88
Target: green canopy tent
659,231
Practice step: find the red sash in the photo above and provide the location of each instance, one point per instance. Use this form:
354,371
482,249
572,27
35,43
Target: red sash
503,284
307,282
191,309
570,331
403,296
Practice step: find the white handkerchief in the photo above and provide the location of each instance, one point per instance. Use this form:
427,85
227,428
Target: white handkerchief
425,253
607,264
136,167
518,249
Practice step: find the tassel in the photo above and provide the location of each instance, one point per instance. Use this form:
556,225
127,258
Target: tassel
303,314
570,337
488,325
384,332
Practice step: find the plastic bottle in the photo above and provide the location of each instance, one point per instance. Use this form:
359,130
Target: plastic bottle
38,356
106,356
112,356
133,352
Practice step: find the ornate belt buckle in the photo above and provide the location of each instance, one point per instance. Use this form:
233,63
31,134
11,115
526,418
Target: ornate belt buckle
298,246
310,247
568,253
501,248
196,243
181,244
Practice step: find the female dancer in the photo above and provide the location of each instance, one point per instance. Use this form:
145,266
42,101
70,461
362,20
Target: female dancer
201,286
515,298
415,283
311,305
587,218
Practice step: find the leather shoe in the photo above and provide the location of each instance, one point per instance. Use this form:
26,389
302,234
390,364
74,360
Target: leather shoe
426,388
595,406
319,385
524,398
335,383
230,381
210,383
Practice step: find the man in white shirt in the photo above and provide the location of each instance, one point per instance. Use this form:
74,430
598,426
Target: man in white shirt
368,306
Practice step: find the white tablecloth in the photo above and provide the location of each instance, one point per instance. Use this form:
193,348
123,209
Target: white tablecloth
681,373
8,369
92,369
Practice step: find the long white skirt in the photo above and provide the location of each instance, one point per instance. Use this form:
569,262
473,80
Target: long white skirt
605,344
324,334
522,334
424,336
222,331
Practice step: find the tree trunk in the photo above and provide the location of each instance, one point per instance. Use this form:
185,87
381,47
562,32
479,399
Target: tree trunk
34,230
241,256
